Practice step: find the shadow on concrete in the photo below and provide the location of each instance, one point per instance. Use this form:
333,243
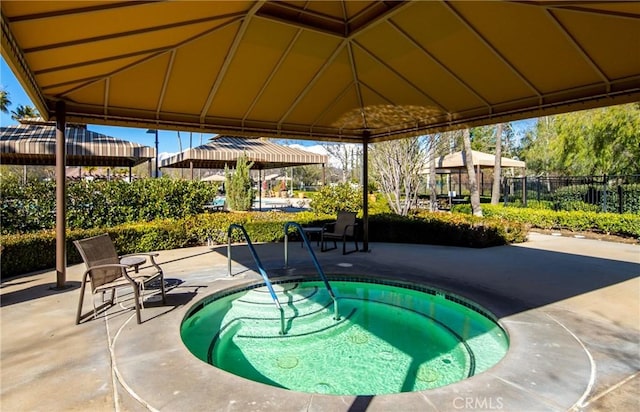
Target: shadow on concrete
175,295
175,300
34,292
195,255
124,305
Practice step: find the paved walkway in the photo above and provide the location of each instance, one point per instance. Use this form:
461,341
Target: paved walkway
571,308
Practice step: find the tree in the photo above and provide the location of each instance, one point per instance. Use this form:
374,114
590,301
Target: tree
5,102
180,150
433,192
24,112
497,167
332,174
308,175
483,138
598,141
537,149
397,165
473,184
349,156
240,193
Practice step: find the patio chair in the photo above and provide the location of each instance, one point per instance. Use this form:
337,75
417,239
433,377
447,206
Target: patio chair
216,205
342,229
108,271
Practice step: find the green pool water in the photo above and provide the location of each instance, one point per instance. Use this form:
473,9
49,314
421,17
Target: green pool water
389,338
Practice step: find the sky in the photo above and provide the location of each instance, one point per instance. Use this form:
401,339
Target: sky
168,143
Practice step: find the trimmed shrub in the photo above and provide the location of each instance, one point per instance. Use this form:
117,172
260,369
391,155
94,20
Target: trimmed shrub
29,252
445,229
36,251
31,207
626,224
595,198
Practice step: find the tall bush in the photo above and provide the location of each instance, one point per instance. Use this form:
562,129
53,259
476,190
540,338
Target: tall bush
25,208
240,194
31,207
343,196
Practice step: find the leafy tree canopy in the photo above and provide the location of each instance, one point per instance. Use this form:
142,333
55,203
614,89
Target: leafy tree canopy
5,102
590,142
23,112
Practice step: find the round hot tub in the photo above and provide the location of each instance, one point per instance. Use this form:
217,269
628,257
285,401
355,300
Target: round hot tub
388,337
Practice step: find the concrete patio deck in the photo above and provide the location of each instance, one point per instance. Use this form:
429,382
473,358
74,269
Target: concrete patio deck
571,308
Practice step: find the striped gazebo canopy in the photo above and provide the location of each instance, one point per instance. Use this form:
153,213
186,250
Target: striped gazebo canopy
33,142
223,151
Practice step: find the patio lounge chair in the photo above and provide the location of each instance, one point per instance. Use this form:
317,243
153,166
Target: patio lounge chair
342,229
108,271
216,205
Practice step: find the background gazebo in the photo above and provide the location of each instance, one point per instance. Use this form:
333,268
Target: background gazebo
33,142
223,151
456,163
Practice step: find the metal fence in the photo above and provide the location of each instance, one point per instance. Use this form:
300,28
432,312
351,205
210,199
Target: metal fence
598,193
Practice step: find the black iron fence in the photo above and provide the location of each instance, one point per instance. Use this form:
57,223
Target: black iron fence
618,194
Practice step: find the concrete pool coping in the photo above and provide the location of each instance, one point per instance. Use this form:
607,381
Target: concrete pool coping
570,306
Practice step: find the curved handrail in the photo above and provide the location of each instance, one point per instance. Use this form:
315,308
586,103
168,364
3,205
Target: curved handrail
261,269
336,314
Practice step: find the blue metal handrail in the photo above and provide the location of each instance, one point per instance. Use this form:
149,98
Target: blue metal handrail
336,314
261,269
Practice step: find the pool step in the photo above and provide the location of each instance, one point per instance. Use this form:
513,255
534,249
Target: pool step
284,293
315,319
259,303
295,327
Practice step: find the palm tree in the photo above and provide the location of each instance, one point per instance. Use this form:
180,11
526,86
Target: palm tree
4,101
22,112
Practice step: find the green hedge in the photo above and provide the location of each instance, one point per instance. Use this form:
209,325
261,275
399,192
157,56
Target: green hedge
445,229
590,198
36,251
22,253
91,204
626,224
